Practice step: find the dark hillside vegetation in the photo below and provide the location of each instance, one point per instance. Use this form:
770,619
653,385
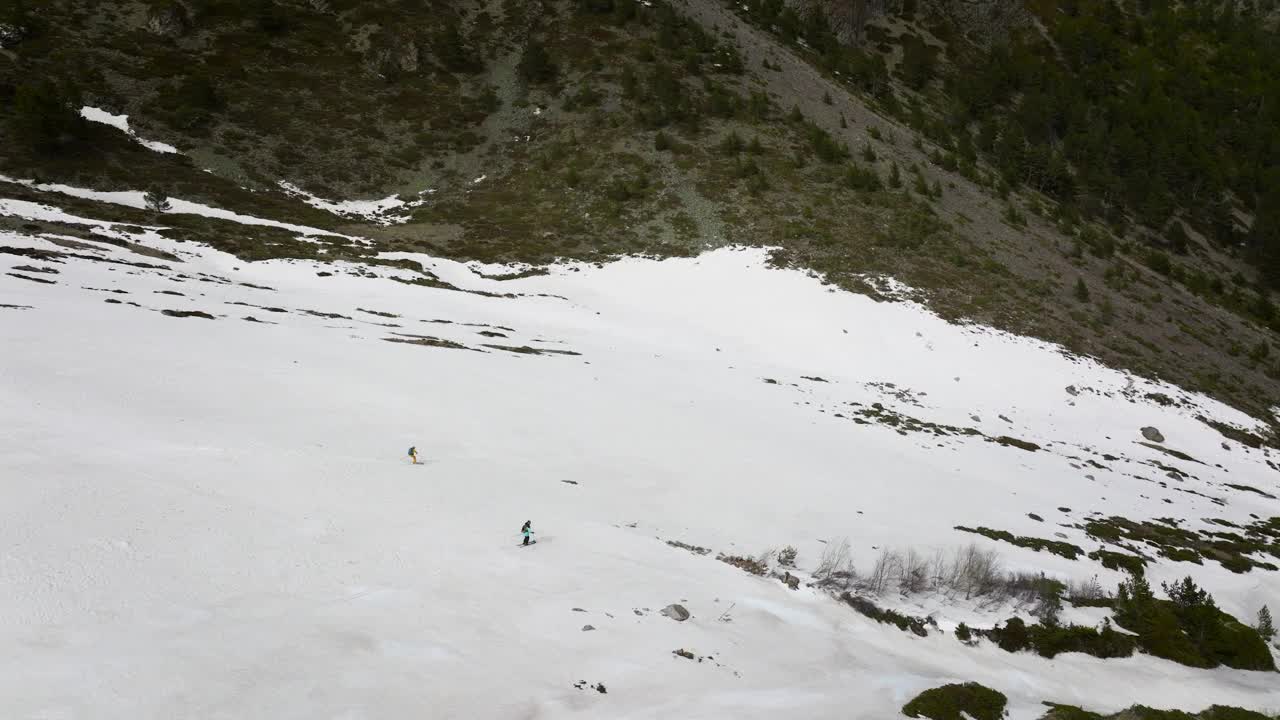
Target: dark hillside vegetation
952,154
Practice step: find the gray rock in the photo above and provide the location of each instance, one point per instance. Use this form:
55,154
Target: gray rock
588,628
1071,390
168,20
11,34
676,612
1152,434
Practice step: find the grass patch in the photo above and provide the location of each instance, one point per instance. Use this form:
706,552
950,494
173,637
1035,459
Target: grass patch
1056,547
1235,551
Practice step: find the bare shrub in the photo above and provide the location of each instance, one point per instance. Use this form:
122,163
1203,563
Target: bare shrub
968,571
977,571
940,575
1087,590
835,568
888,568
751,565
914,573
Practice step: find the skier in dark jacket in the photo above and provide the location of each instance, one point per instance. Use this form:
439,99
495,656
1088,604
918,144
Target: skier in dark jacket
527,531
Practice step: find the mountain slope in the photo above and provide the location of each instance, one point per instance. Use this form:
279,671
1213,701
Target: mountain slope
593,129
212,516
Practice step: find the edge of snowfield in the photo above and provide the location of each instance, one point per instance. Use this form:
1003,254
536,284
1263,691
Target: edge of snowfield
214,519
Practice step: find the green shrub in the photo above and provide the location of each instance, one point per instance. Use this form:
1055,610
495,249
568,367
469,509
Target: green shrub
1188,628
1056,547
904,623
535,66
949,701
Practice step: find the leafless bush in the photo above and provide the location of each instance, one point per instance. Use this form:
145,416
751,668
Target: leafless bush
940,571
977,571
914,574
835,568
887,569
751,565
1087,590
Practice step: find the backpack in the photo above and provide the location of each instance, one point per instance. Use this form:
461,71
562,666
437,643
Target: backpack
413,450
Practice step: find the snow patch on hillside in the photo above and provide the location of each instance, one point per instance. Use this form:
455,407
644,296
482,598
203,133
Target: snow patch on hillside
121,122
137,199
380,212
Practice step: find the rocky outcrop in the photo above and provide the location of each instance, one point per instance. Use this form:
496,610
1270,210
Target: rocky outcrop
170,20
389,54
676,612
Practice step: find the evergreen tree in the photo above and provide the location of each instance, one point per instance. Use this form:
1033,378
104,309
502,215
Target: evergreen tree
535,66
1082,291
156,201
454,52
1265,627
1177,238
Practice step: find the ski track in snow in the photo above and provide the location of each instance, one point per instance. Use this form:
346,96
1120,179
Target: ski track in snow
215,519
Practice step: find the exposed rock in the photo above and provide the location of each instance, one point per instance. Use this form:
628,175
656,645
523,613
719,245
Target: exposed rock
1015,442
1071,390
676,612
11,34
187,314
168,20
1152,434
588,628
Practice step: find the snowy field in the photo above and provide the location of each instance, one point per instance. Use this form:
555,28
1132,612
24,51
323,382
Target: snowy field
215,518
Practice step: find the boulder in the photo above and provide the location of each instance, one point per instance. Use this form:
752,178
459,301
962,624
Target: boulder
168,20
588,628
676,612
1152,434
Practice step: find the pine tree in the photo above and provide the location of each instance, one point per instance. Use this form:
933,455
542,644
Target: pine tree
156,201
895,177
1082,290
1050,609
535,66
1265,627
454,52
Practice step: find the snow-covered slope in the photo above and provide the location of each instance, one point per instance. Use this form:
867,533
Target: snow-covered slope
215,518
